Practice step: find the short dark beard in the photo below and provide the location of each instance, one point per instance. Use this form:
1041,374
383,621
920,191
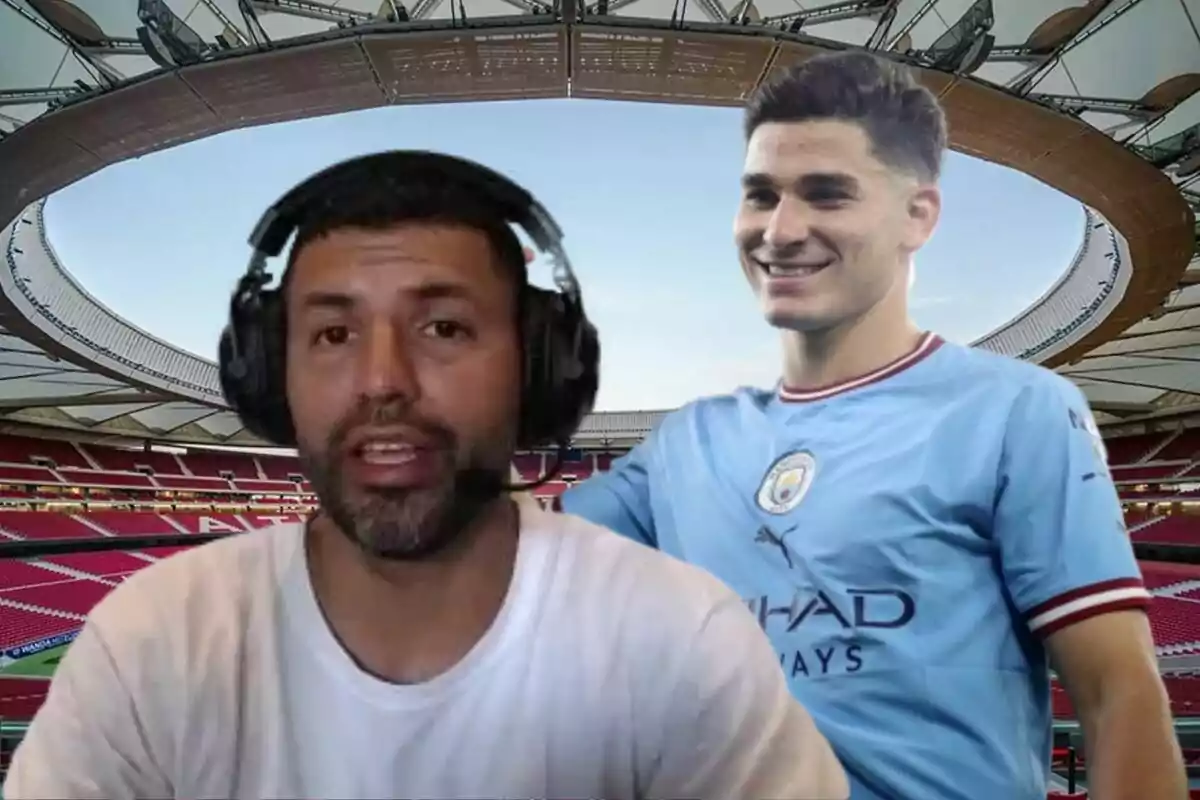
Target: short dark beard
403,524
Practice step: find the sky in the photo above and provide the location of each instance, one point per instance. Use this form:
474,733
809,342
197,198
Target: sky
644,192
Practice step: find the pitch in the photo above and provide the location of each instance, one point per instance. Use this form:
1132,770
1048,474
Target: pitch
39,665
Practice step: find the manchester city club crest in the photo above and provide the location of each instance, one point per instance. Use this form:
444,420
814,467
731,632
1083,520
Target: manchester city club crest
786,482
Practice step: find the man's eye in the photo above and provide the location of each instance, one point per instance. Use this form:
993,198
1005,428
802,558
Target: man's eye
826,198
761,198
333,335
446,329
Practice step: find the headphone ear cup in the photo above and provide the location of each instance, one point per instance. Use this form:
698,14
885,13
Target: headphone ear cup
579,372
252,368
536,403
562,359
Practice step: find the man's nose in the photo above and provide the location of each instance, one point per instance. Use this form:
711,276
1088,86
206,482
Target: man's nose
789,224
386,366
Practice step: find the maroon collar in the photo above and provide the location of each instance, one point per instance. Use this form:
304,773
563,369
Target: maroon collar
928,343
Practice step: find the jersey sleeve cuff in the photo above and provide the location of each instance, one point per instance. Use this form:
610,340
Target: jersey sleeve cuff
1084,602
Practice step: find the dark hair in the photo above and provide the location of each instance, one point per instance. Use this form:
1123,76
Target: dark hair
364,198
901,117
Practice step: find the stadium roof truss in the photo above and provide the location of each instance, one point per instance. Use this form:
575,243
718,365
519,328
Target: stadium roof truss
1106,92
38,388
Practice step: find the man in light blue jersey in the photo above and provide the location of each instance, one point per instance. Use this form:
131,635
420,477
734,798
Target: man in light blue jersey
919,527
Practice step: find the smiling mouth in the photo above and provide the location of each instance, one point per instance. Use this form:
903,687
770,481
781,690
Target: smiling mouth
786,270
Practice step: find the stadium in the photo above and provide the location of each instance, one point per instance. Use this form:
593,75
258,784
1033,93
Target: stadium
108,432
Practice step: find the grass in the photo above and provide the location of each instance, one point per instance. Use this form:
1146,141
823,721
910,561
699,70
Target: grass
39,665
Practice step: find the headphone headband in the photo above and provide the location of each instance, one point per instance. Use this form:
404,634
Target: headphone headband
561,346
518,207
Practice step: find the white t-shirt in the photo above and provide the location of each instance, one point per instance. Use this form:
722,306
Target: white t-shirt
611,671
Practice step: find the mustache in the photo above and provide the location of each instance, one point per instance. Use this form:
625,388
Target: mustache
383,411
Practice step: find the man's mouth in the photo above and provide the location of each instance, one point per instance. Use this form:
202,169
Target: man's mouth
395,459
780,269
385,453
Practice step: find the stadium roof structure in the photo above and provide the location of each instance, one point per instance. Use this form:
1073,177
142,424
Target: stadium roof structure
1099,98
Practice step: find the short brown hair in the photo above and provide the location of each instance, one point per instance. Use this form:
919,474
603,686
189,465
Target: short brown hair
902,118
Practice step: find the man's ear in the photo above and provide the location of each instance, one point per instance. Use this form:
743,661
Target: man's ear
924,209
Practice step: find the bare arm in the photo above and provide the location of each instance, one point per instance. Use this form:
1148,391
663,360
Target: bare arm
1108,667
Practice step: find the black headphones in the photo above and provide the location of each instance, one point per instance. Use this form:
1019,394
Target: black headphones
561,347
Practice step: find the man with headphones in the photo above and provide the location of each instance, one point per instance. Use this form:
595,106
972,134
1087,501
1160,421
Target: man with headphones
423,635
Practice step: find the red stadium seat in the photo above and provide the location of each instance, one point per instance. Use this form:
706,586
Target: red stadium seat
1179,529
56,591
126,460
20,698
1132,449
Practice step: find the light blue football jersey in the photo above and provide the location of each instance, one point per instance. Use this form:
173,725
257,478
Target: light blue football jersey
906,540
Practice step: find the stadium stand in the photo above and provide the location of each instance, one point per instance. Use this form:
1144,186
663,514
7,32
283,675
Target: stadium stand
56,489
65,489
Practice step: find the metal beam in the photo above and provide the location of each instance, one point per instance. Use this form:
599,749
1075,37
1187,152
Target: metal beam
250,17
912,23
216,11
524,5
425,8
1106,105
1026,83
613,5
848,9
46,94
1023,54
117,46
107,397
879,35
714,10
310,9
103,73
1162,115
1011,52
